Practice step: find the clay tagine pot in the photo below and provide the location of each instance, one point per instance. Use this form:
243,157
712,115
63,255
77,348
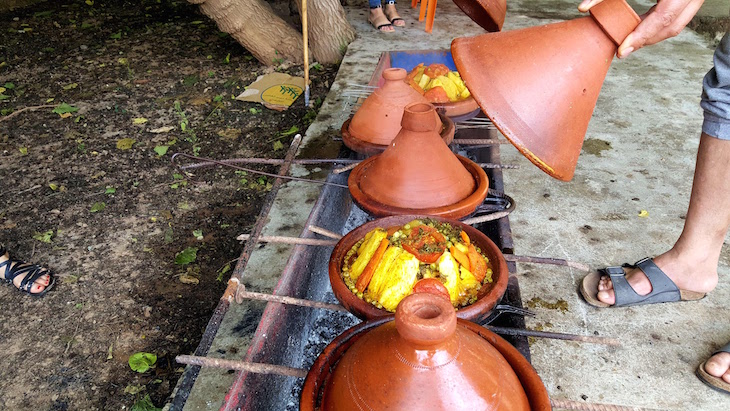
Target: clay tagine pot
423,360
418,173
489,14
539,85
378,120
489,295
365,147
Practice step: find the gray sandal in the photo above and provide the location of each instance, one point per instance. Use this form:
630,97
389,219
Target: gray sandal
663,288
714,382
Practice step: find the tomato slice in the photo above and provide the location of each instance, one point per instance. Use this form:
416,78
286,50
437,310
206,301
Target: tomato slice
432,286
426,243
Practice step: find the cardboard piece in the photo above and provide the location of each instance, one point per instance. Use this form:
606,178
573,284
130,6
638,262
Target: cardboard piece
276,91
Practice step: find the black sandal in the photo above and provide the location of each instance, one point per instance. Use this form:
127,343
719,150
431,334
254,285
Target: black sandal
31,272
379,27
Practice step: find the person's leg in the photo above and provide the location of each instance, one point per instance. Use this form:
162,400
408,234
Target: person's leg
719,366
377,18
24,272
392,14
692,262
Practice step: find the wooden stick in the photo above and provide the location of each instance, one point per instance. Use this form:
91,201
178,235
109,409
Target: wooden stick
340,170
31,108
288,240
272,161
324,232
255,367
485,218
283,299
305,40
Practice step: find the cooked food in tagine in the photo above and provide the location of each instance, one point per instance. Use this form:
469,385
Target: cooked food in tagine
437,83
420,256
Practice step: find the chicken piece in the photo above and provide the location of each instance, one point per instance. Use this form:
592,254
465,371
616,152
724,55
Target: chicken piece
400,280
366,251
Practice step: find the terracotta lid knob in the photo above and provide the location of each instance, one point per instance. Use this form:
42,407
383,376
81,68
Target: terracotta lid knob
425,319
616,18
419,117
394,74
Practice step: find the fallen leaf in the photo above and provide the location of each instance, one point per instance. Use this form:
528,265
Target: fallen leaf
64,108
188,279
53,186
23,150
161,150
65,115
186,256
199,101
110,190
230,133
139,120
162,129
278,145
44,237
70,86
125,143
133,389
98,206
643,213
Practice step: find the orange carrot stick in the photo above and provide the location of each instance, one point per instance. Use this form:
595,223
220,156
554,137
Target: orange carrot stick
465,237
478,265
460,257
367,273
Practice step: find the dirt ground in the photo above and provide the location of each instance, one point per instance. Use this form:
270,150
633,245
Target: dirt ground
141,249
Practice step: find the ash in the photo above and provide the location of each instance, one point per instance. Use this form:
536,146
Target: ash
325,327
357,218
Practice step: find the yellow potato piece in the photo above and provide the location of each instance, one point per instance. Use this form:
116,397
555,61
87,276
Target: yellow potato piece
456,79
366,251
449,271
382,271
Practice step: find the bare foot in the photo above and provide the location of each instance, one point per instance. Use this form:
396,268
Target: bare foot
719,366
39,284
392,14
379,21
691,274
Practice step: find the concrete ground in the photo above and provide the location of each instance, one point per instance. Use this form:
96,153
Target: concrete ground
638,156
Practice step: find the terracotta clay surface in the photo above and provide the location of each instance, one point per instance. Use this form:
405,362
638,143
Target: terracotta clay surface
423,360
364,147
539,85
418,172
489,14
489,295
458,108
378,120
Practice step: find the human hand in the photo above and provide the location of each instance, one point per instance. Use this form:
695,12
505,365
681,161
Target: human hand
664,20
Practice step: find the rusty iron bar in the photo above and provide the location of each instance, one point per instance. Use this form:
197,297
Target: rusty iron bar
477,142
587,406
546,260
349,167
508,257
555,336
272,161
488,217
498,330
252,171
255,367
288,240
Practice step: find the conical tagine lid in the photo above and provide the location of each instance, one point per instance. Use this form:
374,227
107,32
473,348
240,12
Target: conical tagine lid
539,85
378,119
417,170
489,14
424,360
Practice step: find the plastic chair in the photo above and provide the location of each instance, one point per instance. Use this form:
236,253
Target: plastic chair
427,14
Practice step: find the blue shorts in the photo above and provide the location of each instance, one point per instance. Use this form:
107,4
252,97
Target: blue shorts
716,93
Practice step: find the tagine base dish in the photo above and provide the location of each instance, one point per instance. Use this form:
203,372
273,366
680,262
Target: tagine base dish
321,371
367,148
457,211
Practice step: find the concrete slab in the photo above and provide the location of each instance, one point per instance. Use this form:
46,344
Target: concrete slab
639,155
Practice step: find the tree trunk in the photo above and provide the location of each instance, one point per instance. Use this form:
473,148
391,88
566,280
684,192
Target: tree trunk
255,25
329,30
